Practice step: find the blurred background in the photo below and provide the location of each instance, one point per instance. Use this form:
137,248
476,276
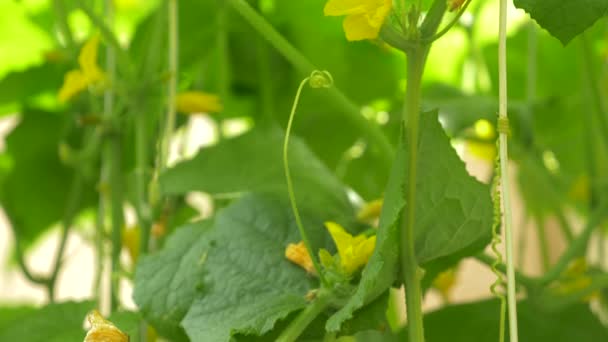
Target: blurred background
557,108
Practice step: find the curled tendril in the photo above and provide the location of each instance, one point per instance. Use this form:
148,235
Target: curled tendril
317,79
495,288
320,79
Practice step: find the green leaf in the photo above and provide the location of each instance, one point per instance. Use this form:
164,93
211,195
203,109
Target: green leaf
253,162
35,189
128,322
166,283
458,323
564,19
453,214
249,284
52,323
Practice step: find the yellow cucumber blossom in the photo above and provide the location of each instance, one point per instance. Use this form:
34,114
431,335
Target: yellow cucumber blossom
297,253
89,73
444,283
103,330
370,210
197,102
455,4
364,18
354,251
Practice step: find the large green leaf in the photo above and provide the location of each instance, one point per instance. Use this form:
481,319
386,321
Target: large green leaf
253,162
564,19
52,323
248,283
36,186
453,214
166,283
459,323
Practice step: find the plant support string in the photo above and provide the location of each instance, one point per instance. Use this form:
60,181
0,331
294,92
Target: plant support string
503,130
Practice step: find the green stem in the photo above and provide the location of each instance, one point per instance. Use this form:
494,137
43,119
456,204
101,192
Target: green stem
578,247
303,320
20,254
596,92
290,191
112,156
223,51
409,266
141,161
416,60
64,28
375,135
74,200
541,233
172,89
449,26
106,31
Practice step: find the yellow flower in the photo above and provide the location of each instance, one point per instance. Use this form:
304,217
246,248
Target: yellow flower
197,102
298,254
444,283
131,241
354,251
455,4
364,18
370,211
103,330
89,73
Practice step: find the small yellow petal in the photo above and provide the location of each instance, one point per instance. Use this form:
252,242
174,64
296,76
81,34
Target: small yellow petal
298,254
87,59
73,83
197,102
341,238
354,251
130,241
103,330
370,211
326,259
444,283
345,7
454,4
357,27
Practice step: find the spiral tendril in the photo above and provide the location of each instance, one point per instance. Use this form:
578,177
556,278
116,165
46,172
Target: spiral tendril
496,240
320,79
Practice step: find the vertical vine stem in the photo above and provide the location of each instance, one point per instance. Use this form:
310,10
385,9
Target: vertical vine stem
112,164
173,58
409,265
417,54
503,129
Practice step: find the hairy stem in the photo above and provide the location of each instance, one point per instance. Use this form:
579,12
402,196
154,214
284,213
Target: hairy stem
299,324
409,265
504,160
